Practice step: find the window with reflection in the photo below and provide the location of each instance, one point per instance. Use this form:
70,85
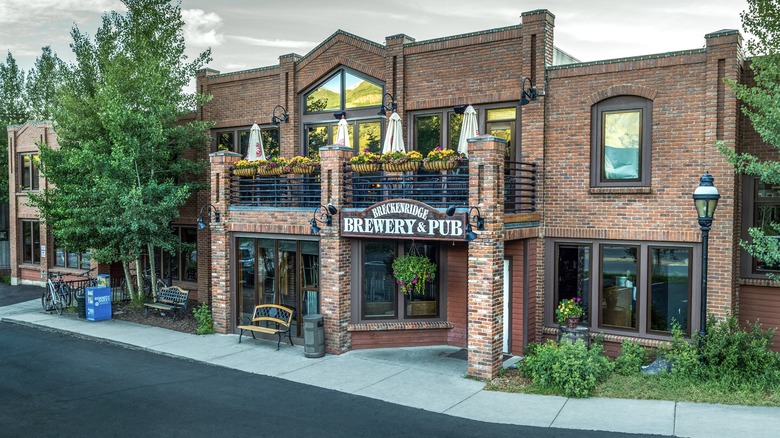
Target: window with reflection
670,288
620,141
363,134
427,133
500,122
29,177
182,263
31,241
237,140
573,275
380,296
344,90
618,285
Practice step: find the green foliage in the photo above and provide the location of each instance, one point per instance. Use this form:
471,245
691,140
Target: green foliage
632,357
412,272
570,308
739,357
681,353
121,172
570,369
205,320
43,82
13,111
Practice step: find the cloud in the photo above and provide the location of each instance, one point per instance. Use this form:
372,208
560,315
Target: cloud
20,11
200,28
283,44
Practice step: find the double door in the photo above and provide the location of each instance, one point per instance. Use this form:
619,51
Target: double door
276,271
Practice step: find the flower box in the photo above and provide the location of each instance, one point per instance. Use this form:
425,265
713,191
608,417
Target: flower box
276,171
440,165
366,167
409,166
245,171
303,170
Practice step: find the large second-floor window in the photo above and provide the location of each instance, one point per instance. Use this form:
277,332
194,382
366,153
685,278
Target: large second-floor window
28,171
761,210
344,91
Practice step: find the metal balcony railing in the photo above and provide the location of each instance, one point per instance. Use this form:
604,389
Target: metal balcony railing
361,190
276,191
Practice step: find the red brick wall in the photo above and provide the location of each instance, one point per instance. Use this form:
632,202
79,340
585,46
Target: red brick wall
457,293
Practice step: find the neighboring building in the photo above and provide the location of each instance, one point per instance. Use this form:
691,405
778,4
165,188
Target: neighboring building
34,252
584,191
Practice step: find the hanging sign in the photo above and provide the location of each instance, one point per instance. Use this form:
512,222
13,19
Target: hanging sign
403,219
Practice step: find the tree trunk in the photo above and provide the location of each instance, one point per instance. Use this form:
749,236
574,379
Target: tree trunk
152,269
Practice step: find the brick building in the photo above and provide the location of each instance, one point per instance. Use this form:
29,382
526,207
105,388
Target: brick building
585,191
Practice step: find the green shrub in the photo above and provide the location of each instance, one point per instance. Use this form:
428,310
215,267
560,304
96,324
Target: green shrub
682,353
205,321
632,357
740,357
572,370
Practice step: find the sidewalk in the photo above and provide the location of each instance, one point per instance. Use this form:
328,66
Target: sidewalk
420,377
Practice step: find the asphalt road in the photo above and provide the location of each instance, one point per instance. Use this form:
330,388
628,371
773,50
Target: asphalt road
54,384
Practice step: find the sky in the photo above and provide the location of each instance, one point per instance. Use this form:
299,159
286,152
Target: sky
247,34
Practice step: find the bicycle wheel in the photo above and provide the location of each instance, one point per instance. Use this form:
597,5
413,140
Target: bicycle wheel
66,295
58,303
46,300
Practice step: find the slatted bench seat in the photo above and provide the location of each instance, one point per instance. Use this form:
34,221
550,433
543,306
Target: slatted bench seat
169,299
280,318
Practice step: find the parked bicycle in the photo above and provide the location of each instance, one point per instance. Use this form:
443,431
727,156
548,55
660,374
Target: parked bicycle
57,294
146,281
79,287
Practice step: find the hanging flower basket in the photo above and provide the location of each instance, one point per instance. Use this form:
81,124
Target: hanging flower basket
301,165
409,166
366,167
276,171
440,165
303,170
412,272
246,171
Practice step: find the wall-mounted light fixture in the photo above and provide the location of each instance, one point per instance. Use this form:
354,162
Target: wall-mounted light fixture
470,234
201,225
528,94
326,217
460,109
280,116
387,106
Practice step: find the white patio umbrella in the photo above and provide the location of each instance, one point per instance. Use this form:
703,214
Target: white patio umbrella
255,150
342,136
394,137
468,129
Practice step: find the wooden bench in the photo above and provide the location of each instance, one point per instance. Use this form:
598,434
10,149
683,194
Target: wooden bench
280,318
169,299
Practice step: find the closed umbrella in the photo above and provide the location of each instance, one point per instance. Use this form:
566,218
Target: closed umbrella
342,136
468,129
255,150
394,138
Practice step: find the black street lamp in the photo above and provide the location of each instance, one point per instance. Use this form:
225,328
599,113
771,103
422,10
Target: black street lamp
705,198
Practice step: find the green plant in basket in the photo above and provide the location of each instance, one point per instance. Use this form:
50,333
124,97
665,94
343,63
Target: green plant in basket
366,157
399,157
571,308
412,272
272,164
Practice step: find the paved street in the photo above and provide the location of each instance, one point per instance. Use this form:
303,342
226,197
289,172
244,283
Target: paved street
54,384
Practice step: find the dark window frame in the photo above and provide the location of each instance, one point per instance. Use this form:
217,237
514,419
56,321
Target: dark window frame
643,282
35,241
34,175
649,262
236,145
750,202
81,258
163,262
401,301
616,104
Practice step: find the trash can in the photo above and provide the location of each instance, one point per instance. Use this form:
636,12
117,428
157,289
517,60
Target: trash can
313,336
104,280
98,303
81,309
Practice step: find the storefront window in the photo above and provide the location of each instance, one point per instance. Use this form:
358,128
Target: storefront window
380,295
618,291
573,275
670,281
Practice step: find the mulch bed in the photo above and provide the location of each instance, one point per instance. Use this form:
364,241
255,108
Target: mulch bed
124,311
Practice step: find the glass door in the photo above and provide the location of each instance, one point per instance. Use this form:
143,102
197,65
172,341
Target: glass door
289,278
246,272
310,265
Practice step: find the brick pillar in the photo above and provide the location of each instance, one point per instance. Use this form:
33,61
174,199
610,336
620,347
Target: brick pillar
289,133
335,266
723,62
486,258
221,290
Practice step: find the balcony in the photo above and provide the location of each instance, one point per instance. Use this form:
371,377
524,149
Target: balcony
361,190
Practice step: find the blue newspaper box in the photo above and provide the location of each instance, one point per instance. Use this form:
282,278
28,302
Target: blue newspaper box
98,303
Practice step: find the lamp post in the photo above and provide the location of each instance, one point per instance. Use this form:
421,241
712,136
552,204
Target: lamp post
705,198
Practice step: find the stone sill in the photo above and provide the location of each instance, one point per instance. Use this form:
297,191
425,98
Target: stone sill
621,190
615,338
388,326
763,282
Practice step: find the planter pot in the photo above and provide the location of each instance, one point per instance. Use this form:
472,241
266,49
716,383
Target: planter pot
271,172
247,171
440,165
572,321
303,170
366,167
409,166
